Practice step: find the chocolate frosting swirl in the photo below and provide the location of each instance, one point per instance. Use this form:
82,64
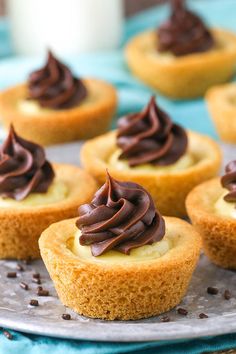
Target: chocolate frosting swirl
228,181
55,87
122,216
23,168
150,137
184,32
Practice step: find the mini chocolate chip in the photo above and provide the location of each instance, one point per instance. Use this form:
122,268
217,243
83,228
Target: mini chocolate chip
11,275
165,319
8,335
43,293
227,295
66,316
203,315
24,286
39,288
182,311
212,291
34,302
36,280
36,275
20,268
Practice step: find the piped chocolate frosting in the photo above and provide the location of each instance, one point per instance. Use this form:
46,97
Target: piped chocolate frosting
150,137
228,181
23,168
184,32
122,216
55,87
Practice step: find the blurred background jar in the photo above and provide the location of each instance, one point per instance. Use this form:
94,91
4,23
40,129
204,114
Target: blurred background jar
65,26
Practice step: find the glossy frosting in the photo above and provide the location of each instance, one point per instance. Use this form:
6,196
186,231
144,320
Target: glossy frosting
122,216
184,32
228,181
55,87
23,168
226,203
150,137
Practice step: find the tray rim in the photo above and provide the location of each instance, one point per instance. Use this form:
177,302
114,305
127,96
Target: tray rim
116,331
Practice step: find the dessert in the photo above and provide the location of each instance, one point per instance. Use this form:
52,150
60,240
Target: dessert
55,107
120,259
221,101
151,150
183,58
212,209
34,194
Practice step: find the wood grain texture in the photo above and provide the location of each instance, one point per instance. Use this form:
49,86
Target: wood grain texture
134,6
1,7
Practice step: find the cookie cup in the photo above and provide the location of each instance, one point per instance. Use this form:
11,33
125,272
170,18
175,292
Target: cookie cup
46,126
21,226
186,76
168,190
221,102
121,291
218,232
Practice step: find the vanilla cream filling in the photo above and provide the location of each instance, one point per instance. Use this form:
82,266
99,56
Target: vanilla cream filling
140,254
56,192
169,57
225,208
32,107
187,160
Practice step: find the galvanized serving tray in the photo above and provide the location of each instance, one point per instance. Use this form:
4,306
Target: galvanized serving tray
46,319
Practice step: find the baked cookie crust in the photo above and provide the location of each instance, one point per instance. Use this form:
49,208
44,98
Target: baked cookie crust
22,226
182,77
123,291
221,102
167,190
218,232
47,127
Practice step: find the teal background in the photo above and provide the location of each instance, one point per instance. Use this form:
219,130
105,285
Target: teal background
133,95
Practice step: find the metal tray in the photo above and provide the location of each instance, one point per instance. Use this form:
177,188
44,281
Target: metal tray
16,313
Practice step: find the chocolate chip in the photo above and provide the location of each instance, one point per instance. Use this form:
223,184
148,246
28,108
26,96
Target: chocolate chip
43,292
34,302
66,316
212,291
20,268
182,311
227,295
8,335
36,280
203,315
39,288
11,275
24,286
165,319
36,276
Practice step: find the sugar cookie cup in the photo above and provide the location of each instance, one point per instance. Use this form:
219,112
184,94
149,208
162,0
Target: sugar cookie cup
221,102
218,232
47,126
187,76
139,290
169,189
22,222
